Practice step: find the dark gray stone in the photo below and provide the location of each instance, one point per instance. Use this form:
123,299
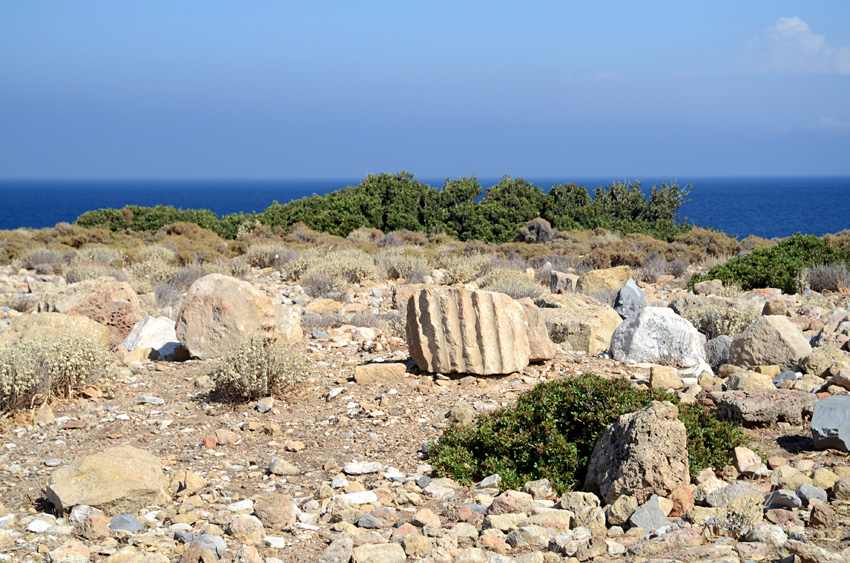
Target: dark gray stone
717,350
125,522
783,377
423,481
630,300
831,423
215,543
648,516
186,537
807,493
369,522
783,498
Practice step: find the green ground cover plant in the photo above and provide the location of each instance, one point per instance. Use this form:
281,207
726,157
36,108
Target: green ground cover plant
551,431
778,266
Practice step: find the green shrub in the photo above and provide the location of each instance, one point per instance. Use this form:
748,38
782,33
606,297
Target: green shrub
551,431
36,368
778,266
260,367
512,282
714,320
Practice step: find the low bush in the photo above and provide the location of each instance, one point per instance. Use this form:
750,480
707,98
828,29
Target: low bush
36,257
396,263
512,282
778,266
464,269
828,277
34,369
714,320
551,431
260,367
269,255
81,271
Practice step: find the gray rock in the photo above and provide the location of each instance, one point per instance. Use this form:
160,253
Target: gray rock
149,400
125,522
569,542
339,551
656,334
768,341
783,498
808,493
559,282
630,300
717,350
81,512
764,407
493,480
649,515
215,543
780,379
279,466
369,522
831,423
318,334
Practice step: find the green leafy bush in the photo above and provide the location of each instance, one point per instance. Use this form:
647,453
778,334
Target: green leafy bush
551,431
778,266
37,368
260,367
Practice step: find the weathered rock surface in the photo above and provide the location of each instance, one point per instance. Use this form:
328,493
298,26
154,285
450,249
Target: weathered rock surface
54,324
288,323
717,350
605,279
560,282
768,341
156,333
582,321
642,454
540,345
831,423
111,303
220,312
630,300
452,330
763,407
821,359
117,480
659,334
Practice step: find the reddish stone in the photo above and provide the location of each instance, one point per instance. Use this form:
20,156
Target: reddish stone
405,530
683,501
782,517
210,441
503,505
466,514
492,543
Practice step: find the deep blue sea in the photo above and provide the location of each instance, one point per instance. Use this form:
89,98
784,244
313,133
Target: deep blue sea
764,206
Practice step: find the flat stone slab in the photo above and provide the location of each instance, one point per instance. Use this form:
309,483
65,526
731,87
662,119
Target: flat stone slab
764,407
831,423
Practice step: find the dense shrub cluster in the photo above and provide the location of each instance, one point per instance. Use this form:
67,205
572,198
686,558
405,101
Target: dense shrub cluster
398,203
778,266
37,368
551,431
260,367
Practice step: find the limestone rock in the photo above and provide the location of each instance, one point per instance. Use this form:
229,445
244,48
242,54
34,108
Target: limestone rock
582,321
121,479
220,312
274,510
770,340
105,300
642,454
630,300
605,279
707,287
763,407
383,552
38,325
559,282
831,423
658,333
156,333
540,345
452,330
664,377
288,323
821,359
382,372
749,381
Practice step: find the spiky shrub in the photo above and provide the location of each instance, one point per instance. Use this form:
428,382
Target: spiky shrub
551,431
35,368
512,282
463,269
269,255
397,263
260,367
714,320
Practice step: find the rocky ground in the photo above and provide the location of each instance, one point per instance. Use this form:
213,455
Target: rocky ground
336,472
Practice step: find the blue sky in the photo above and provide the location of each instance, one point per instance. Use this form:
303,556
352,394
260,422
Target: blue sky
274,89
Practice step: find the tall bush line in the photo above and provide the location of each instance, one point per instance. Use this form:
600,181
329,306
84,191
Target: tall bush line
393,202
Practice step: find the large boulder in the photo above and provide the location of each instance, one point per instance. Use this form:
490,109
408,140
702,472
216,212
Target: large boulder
105,300
604,280
763,407
820,360
642,454
455,330
582,321
38,325
118,480
156,333
771,340
220,312
687,305
831,423
658,334
540,345
630,300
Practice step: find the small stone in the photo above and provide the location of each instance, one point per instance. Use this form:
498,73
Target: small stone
52,462
265,405
38,526
416,545
492,481
149,400
214,543
807,493
369,522
126,523
425,517
241,505
72,551
649,515
362,468
279,466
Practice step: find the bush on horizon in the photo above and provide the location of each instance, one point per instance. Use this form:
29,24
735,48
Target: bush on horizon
778,266
399,203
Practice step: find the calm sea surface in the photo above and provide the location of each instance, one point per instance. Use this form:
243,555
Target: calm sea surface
763,206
